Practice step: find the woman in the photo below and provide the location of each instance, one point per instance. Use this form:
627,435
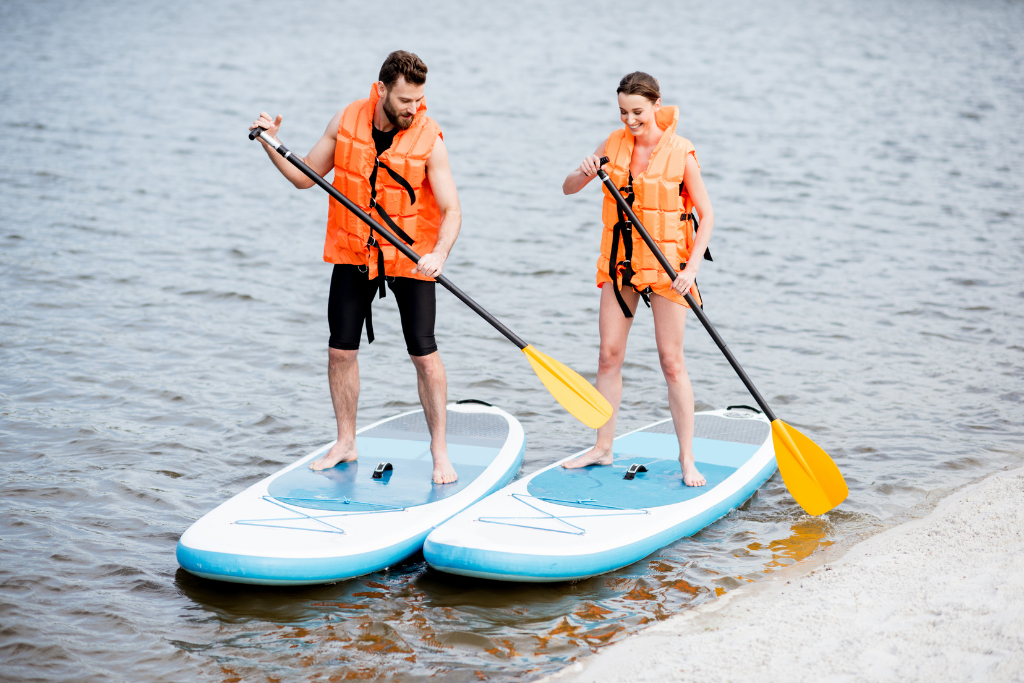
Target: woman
659,176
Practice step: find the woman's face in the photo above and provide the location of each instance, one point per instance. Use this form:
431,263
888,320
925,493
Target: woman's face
638,112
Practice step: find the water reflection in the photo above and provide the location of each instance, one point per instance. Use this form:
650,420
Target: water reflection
413,615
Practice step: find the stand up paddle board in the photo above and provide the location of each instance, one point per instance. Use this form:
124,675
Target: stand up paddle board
561,525
303,527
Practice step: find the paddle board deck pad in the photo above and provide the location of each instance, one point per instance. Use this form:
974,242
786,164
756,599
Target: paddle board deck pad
561,525
303,527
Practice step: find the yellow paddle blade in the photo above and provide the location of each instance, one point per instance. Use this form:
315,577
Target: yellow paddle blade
576,394
812,478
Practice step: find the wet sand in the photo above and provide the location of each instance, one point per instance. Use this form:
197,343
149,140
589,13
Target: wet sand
939,598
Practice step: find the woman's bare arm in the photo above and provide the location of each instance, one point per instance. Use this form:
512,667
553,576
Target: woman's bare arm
702,203
578,179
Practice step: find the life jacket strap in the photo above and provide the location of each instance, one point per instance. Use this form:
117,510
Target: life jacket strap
692,216
402,234
624,268
399,179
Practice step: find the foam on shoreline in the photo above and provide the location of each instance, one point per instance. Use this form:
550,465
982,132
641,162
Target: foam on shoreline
938,598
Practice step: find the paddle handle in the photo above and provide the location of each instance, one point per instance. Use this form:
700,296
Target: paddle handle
383,232
694,306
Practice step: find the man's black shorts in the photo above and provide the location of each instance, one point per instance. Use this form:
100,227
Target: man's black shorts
352,294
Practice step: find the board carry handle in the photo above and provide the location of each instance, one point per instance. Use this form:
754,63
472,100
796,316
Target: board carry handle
744,407
381,469
633,469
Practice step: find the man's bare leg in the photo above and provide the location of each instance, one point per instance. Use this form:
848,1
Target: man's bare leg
669,326
614,329
433,387
343,377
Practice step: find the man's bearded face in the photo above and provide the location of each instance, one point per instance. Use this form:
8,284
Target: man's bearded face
401,119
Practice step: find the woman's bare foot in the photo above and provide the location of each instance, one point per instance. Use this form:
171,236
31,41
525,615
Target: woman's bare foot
339,453
691,476
444,473
595,456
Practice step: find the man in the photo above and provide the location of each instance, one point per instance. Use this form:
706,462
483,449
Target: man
389,158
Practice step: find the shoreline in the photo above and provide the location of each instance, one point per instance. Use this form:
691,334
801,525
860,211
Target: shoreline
938,597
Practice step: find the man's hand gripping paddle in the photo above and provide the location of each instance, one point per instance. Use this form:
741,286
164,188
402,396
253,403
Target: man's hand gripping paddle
575,394
810,475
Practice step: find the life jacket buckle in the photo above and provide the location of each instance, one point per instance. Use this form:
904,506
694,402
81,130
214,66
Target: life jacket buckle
646,295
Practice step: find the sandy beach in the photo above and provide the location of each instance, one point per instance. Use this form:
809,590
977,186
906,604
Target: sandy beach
939,598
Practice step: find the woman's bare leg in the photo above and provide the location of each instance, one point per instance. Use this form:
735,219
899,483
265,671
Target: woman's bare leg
614,329
669,326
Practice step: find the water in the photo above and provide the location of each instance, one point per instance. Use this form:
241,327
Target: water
163,327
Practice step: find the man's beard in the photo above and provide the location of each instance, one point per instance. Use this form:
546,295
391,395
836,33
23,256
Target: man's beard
392,114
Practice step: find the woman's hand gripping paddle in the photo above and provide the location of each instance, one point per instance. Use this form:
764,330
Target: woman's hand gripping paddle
575,394
810,475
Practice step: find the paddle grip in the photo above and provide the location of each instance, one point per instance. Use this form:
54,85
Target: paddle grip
255,132
406,250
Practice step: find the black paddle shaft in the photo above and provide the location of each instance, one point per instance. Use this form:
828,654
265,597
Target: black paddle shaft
383,232
694,306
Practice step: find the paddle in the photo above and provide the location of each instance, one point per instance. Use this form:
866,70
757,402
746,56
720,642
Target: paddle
575,394
810,475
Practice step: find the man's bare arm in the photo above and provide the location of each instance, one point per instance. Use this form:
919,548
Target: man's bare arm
443,185
320,158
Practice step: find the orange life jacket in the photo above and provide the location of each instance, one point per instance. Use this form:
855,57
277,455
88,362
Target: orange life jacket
662,205
401,190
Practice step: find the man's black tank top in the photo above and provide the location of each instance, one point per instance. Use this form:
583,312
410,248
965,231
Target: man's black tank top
383,140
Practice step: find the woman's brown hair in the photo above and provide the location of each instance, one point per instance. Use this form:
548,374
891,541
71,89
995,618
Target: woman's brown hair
639,83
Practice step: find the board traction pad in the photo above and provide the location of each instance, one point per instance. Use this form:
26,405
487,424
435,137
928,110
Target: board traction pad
721,445
474,440
737,429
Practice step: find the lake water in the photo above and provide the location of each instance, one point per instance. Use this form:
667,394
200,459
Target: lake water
163,313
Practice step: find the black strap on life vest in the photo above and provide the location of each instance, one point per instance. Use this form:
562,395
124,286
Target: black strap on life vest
696,225
371,241
624,230
399,179
402,234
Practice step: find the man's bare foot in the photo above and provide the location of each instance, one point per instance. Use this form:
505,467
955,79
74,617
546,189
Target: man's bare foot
691,476
444,473
339,453
595,456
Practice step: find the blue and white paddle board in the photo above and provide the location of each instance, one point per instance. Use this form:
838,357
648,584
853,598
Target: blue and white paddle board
561,525
304,527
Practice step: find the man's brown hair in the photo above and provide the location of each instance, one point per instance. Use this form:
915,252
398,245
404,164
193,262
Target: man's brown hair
639,83
402,63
